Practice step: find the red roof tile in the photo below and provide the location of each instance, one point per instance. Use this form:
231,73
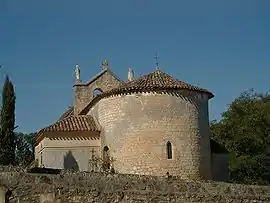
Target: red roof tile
73,123
157,80
69,124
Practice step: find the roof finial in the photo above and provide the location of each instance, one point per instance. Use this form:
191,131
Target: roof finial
130,74
105,64
157,61
77,71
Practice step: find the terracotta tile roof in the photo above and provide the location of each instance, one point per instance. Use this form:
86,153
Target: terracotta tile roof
73,123
69,124
69,112
157,80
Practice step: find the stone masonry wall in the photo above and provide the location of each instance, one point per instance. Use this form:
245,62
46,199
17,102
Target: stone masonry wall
84,93
104,83
81,97
69,187
136,128
65,153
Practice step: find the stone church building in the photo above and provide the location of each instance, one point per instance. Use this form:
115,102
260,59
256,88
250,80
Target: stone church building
150,125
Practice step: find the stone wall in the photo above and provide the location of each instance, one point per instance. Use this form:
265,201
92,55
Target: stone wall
104,82
81,97
64,153
136,128
68,187
84,93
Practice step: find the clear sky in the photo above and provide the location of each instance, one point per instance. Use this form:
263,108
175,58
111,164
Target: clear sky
221,45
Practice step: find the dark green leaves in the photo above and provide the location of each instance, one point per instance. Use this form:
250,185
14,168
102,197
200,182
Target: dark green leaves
7,124
245,131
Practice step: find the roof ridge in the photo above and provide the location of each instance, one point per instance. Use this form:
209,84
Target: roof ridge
71,117
68,112
96,76
100,74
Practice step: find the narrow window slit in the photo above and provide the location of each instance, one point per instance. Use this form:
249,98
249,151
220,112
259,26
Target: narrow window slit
169,150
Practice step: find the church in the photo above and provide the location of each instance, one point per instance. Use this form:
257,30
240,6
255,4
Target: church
154,125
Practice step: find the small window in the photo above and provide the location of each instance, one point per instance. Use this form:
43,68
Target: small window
106,149
97,91
169,150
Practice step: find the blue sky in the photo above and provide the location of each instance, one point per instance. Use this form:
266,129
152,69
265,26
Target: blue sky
221,45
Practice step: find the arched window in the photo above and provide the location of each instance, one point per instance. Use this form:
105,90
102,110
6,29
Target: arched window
106,158
169,150
97,91
106,149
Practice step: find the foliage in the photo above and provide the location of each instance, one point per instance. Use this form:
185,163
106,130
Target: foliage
15,148
245,131
101,164
7,122
24,148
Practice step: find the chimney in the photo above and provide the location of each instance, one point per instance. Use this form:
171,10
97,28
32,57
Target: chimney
130,74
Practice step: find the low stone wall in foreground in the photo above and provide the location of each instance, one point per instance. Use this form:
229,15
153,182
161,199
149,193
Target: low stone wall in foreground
83,187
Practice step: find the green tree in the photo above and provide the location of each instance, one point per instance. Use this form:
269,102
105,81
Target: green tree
244,130
24,152
7,124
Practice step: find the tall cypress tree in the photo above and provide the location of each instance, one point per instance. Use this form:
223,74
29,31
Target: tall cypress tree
7,124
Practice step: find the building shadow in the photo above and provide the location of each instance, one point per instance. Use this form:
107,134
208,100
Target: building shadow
70,162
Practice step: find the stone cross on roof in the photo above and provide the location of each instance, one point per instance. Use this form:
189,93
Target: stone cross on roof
157,61
105,64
